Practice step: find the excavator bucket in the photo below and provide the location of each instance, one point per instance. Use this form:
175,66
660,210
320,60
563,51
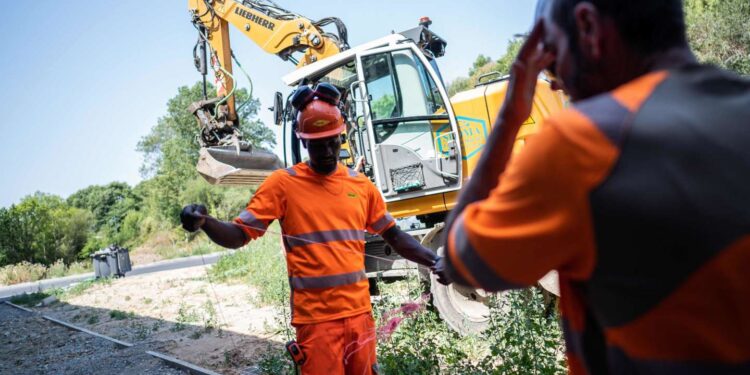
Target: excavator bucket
228,165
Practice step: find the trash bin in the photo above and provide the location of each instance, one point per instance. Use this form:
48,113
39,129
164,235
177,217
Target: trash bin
123,261
111,261
102,265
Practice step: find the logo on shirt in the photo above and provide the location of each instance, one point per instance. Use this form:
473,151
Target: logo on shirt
351,194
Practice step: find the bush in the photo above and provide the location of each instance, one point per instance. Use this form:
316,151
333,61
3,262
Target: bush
76,268
57,269
521,340
21,273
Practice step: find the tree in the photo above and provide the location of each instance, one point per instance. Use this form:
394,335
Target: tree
42,228
109,203
483,65
481,61
171,149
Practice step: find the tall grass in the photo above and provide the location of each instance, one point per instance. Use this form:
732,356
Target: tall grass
261,264
24,272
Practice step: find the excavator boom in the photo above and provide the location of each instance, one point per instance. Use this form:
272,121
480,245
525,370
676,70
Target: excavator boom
275,30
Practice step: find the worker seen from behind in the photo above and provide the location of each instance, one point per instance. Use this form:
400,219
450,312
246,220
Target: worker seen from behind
324,209
639,195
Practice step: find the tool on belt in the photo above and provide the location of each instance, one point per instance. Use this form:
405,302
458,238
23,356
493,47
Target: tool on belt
295,351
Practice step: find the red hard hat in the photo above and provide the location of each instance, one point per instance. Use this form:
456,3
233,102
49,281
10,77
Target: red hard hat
319,119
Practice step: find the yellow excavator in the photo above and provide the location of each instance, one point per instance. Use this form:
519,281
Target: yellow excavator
416,144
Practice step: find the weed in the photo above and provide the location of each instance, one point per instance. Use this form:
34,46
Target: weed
93,319
147,301
27,272
209,316
261,264
185,316
79,288
235,358
521,339
29,299
127,298
120,315
21,273
196,335
56,269
76,268
275,361
140,330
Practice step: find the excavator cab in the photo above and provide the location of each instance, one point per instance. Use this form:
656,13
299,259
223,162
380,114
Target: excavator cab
400,132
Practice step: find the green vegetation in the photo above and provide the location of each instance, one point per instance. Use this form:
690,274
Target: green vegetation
26,272
61,293
52,235
260,264
29,300
120,315
718,31
484,65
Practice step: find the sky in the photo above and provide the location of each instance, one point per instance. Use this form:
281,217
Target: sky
84,81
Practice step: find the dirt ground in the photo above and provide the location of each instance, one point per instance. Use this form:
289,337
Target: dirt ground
178,312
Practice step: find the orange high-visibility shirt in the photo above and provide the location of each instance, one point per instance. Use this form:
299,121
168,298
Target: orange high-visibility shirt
323,219
640,199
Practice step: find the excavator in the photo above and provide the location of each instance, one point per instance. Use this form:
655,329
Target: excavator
404,132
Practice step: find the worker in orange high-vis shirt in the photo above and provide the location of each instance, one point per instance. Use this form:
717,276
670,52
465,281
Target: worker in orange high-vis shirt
324,209
638,195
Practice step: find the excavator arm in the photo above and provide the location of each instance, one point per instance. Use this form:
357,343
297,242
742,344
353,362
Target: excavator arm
275,30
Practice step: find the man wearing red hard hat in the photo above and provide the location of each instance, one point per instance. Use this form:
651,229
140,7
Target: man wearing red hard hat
324,209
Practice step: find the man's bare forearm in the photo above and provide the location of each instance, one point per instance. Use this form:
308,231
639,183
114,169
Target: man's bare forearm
409,248
492,163
224,233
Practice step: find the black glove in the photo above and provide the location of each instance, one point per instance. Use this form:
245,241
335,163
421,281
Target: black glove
192,217
440,270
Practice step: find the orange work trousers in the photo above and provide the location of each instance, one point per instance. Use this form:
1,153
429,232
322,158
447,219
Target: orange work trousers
342,346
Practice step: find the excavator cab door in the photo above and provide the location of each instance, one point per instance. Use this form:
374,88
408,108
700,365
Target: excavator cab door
409,123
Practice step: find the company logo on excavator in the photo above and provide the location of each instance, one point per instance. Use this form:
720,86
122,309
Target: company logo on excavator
252,17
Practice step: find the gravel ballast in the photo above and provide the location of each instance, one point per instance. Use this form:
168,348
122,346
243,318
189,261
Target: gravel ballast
30,344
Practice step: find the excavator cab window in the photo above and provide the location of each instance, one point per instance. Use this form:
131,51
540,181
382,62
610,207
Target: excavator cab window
343,77
413,136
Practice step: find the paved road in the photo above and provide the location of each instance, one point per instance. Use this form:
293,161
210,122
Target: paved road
13,290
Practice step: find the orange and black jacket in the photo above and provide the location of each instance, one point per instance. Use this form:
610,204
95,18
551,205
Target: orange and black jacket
640,198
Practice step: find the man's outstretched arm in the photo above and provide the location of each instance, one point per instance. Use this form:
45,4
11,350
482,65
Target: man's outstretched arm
408,247
223,233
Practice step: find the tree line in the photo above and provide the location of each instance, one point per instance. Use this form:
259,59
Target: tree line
43,228
718,32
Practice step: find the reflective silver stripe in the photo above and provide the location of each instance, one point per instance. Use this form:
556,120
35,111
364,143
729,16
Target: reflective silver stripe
250,220
325,236
480,271
330,281
383,222
352,172
291,171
